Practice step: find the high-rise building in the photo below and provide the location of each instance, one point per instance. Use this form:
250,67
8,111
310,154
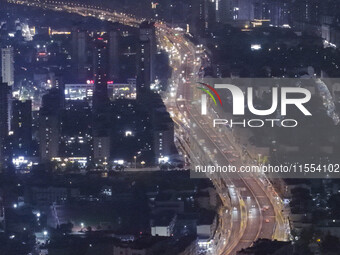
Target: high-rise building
147,32
7,65
162,128
224,11
199,17
146,58
261,9
306,15
49,125
100,73
143,75
79,46
79,49
101,148
113,54
60,86
4,91
51,102
307,11
163,140
277,11
243,11
48,135
283,10
22,127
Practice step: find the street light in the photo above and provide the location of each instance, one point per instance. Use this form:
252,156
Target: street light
105,162
135,158
128,133
45,233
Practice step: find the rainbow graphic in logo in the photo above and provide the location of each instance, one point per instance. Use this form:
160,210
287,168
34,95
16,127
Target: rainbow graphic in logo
204,96
209,93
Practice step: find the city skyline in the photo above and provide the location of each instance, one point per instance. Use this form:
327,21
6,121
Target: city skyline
169,127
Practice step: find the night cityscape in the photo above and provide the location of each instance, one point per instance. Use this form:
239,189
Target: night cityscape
169,127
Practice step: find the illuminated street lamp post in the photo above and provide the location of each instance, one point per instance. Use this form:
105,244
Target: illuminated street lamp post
45,233
105,163
135,158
